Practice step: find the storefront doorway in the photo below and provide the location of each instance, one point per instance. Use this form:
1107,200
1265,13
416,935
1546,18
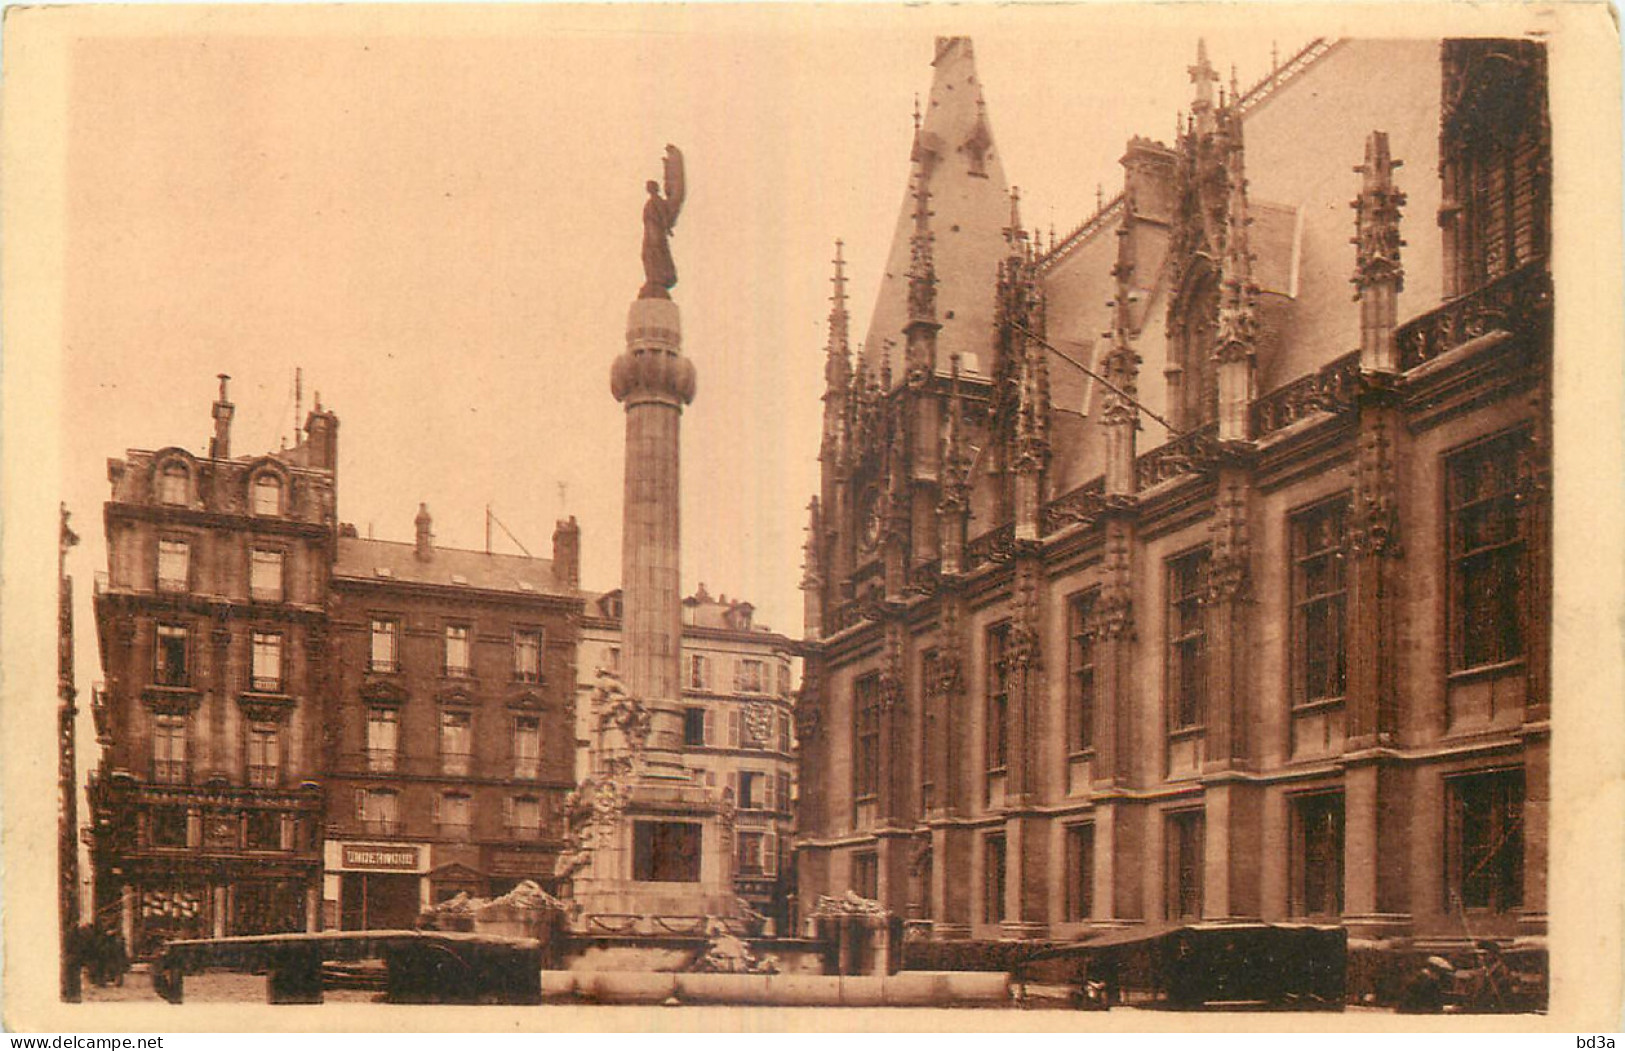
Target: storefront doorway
379,901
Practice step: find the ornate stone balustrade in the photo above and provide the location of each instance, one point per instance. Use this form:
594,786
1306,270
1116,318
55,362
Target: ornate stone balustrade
995,546
1080,505
1190,453
1508,304
1332,389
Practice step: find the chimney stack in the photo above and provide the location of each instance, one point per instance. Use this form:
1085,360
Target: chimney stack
220,445
567,552
425,541
322,437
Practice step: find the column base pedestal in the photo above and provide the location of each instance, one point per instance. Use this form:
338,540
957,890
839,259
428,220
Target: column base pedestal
1376,926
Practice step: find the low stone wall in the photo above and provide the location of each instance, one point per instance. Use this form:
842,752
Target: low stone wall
912,989
639,953
967,955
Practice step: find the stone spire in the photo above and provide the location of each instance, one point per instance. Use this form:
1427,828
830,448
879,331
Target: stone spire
1236,334
922,324
1121,367
1013,232
1378,273
953,504
1026,369
837,369
1204,76
953,158
812,573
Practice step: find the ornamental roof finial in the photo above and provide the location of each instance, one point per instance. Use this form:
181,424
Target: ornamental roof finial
1203,76
1014,234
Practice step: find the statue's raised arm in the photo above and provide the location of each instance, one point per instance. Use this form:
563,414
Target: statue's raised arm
659,220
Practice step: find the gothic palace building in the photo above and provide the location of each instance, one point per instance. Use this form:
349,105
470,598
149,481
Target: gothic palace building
1250,619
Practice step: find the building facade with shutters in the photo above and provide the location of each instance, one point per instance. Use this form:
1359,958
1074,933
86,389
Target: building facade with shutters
1196,565
302,729
451,730
737,728
213,631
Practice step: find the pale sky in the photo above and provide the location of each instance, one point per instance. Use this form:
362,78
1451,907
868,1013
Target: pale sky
436,216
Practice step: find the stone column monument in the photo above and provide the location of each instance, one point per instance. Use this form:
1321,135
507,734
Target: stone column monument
653,845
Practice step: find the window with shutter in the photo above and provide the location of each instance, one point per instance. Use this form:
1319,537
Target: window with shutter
693,727
770,854
265,576
733,728
383,727
527,747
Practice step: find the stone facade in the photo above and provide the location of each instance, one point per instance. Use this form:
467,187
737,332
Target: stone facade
449,744
1206,593
214,633
271,761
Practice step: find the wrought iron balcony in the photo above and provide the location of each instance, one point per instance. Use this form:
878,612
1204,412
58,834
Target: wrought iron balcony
169,772
264,775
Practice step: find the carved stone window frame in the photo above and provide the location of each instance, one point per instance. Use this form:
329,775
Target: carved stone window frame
162,462
260,470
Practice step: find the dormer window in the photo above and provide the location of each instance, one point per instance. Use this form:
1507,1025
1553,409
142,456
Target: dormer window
267,495
173,482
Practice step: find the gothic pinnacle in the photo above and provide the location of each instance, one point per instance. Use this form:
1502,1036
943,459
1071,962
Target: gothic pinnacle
1203,76
838,318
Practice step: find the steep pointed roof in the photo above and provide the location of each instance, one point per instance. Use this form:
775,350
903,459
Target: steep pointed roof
969,208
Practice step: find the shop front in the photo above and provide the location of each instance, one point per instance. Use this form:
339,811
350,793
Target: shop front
375,886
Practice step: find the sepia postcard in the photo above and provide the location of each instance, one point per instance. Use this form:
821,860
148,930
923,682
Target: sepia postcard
1093,517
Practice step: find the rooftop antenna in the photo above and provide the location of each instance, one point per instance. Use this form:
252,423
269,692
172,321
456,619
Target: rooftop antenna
488,527
490,516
